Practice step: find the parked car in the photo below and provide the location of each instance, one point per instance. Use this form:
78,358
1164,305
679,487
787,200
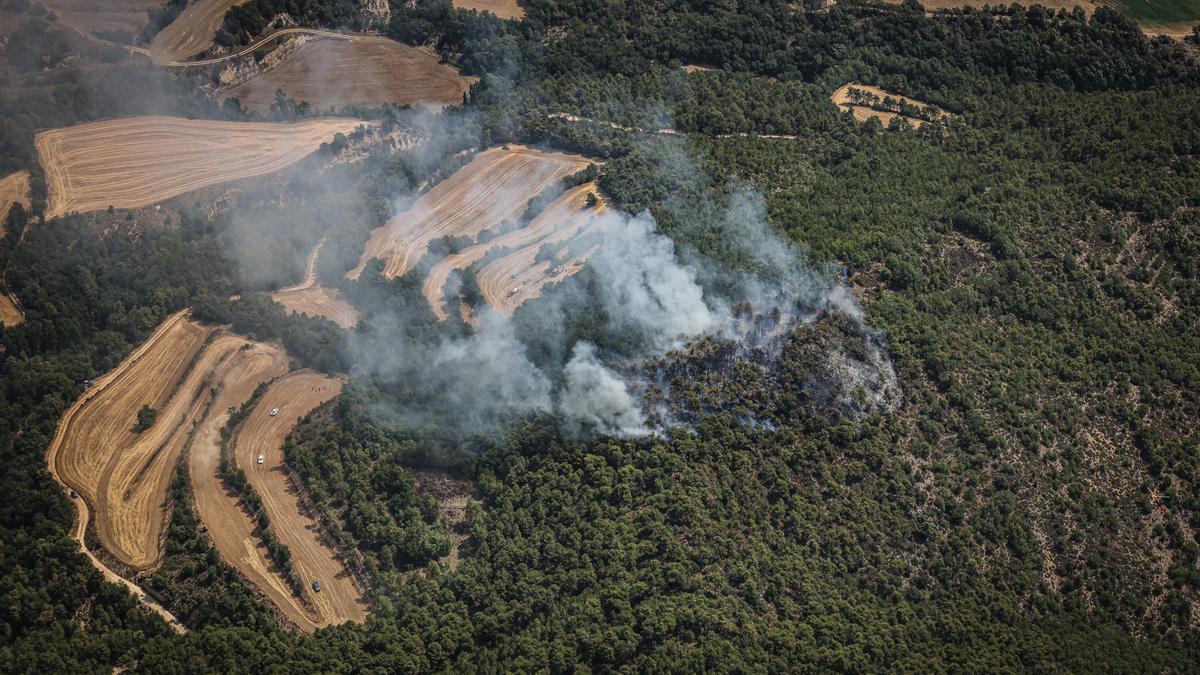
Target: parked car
274,412
316,586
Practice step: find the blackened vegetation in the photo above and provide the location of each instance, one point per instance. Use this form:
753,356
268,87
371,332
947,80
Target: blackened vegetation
825,370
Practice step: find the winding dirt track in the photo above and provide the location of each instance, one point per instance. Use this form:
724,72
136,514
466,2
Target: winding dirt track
136,161
296,395
14,189
495,186
361,71
191,32
309,297
507,282
564,211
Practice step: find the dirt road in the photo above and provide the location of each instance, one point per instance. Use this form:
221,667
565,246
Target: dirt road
309,297
262,434
493,187
136,161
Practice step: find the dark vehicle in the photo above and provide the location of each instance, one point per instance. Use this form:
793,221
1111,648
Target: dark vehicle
316,586
74,494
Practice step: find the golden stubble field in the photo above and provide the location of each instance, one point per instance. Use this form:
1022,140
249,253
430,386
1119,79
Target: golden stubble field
493,187
843,99
504,9
136,161
14,189
313,558
559,221
364,71
191,32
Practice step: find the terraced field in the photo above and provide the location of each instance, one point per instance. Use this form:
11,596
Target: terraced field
313,558
191,32
364,71
137,161
568,212
495,186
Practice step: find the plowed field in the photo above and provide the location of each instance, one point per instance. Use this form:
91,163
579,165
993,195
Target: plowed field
495,186
137,161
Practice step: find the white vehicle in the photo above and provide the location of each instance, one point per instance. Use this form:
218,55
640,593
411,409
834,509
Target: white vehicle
260,459
274,412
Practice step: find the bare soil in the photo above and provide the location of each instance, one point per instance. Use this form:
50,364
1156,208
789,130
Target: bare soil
311,298
130,16
365,71
843,100
504,9
137,161
11,313
191,32
14,189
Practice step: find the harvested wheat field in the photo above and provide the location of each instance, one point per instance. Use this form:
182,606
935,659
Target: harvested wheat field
504,9
509,281
10,310
564,212
314,559
124,474
137,161
866,101
191,32
130,16
495,186
364,71
233,532
311,298
14,189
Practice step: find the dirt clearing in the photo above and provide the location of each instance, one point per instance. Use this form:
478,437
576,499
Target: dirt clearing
191,32
507,282
504,9
311,298
495,186
10,310
566,211
365,71
14,189
313,559
130,16
136,161
866,101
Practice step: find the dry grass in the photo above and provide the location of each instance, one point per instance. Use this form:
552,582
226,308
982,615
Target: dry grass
843,100
365,71
136,161
311,298
505,9
14,189
507,282
934,5
495,186
295,396
10,310
191,32
105,15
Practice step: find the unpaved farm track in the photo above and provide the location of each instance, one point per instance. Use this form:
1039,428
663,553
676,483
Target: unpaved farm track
14,189
567,210
296,395
191,32
309,297
507,282
364,71
136,161
493,187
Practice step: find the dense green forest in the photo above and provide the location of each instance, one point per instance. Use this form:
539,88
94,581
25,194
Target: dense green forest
1031,264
